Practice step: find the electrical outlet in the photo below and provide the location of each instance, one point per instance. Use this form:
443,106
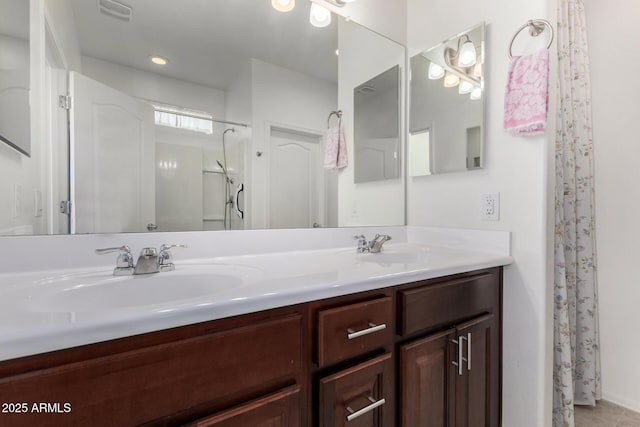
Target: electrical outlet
490,206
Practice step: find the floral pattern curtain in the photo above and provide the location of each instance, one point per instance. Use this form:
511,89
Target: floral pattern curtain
576,339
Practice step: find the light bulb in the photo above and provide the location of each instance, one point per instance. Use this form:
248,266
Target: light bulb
283,5
477,70
319,16
467,55
465,87
435,71
451,80
476,94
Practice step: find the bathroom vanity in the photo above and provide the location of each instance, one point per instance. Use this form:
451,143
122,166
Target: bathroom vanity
424,353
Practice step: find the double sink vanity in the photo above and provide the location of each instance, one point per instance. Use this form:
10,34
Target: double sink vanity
320,334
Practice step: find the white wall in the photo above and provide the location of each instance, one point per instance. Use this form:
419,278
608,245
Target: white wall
387,17
364,55
61,22
515,167
155,87
615,116
291,100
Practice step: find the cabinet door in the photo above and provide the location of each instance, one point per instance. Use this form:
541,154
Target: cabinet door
476,378
425,381
280,409
361,396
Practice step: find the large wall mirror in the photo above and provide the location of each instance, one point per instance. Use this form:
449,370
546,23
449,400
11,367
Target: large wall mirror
186,115
15,124
447,106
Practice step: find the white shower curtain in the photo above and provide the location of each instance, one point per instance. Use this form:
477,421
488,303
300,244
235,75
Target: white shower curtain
576,339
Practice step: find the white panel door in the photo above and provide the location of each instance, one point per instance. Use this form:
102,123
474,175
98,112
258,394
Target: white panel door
113,155
296,180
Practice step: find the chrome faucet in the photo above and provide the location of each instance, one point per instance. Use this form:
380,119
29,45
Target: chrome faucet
374,246
377,242
149,260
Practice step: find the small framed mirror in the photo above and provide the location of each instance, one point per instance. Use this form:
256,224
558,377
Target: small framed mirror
377,127
447,107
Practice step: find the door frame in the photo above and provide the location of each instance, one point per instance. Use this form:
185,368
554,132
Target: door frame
308,132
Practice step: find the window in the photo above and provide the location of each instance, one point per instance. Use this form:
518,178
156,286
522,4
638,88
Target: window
195,121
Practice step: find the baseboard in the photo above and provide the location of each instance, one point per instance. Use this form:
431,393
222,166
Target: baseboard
630,404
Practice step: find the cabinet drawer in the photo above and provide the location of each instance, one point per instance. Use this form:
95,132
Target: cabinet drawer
140,385
359,396
279,409
446,303
354,329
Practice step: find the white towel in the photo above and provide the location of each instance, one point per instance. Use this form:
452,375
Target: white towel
335,154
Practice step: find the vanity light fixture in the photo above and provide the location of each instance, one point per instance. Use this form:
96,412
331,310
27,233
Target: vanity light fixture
339,3
283,5
476,94
435,71
477,70
465,87
158,60
451,80
319,16
467,53
462,56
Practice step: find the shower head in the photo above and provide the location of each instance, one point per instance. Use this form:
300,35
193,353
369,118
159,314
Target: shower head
232,130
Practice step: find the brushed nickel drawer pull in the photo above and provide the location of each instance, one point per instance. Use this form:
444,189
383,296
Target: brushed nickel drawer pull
468,351
461,358
351,334
374,404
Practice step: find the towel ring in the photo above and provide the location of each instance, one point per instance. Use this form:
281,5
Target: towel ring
338,114
536,27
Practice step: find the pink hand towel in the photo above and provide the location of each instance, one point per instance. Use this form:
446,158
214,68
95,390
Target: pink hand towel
335,155
526,99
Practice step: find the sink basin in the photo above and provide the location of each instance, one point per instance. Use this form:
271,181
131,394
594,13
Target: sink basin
100,290
396,257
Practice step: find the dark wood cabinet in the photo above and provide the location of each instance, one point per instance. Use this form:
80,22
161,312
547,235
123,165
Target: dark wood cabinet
280,409
425,381
358,396
476,373
451,377
424,354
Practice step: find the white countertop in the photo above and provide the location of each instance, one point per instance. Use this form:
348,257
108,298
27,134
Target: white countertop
268,280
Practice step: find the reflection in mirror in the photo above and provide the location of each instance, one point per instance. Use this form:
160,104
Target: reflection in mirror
447,110
377,127
190,115
14,75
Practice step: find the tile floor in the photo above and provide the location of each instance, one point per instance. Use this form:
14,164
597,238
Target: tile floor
606,414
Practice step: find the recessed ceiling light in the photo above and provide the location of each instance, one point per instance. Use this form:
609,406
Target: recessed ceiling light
337,52
159,60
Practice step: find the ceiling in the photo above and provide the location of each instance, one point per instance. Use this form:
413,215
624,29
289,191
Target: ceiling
208,41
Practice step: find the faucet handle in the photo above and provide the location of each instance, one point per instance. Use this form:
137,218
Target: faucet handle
166,247
363,245
165,257
124,263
